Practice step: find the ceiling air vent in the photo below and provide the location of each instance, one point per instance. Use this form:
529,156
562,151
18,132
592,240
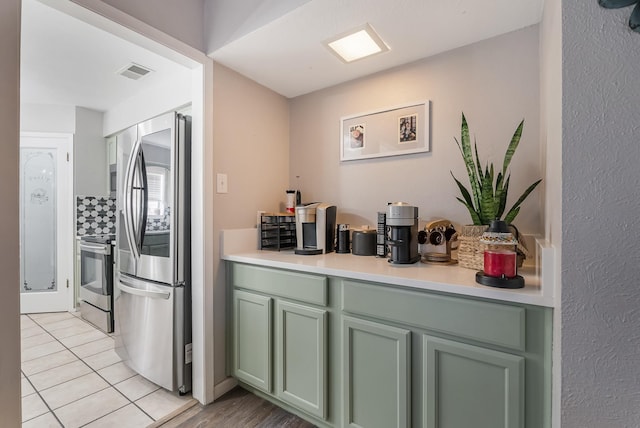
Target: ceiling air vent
134,71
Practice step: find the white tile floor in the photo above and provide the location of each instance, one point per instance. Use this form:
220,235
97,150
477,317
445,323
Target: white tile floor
72,377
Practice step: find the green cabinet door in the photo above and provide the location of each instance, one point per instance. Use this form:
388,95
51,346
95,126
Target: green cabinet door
301,357
376,374
470,386
252,339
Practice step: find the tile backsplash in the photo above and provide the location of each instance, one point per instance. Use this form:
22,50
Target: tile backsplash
95,215
159,223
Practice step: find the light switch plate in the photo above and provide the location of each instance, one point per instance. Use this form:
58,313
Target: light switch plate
221,183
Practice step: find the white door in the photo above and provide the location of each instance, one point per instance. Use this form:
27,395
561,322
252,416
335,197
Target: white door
46,222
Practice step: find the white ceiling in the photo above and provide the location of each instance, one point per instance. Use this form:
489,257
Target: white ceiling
65,61
68,62
287,54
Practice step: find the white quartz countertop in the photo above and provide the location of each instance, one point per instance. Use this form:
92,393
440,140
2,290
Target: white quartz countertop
238,245
443,278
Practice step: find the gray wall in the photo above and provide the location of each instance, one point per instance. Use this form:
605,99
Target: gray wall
47,118
601,204
90,151
495,82
9,226
89,146
183,20
251,145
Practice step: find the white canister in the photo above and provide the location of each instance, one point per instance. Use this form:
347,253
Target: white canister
291,201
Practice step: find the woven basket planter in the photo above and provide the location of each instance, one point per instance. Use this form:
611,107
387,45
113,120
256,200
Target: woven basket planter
471,250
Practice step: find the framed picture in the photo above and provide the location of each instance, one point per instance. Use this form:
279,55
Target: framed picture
356,136
407,131
393,131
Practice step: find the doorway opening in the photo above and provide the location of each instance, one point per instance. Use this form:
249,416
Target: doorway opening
198,66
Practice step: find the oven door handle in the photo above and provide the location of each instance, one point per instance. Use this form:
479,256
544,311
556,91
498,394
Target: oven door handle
148,291
97,249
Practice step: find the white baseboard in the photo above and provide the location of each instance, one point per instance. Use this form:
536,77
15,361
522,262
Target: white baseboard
223,387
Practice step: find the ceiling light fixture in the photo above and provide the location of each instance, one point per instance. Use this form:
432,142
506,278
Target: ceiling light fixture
356,44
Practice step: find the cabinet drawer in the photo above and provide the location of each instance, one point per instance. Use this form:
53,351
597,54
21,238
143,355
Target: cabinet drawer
493,323
292,285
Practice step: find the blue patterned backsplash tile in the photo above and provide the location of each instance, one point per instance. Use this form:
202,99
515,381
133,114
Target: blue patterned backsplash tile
95,215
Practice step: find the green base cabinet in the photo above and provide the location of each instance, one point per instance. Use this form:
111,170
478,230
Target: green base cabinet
301,357
377,375
280,336
252,339
342,352
471,386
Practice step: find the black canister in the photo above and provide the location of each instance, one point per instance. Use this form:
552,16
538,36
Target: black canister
343,244
364,242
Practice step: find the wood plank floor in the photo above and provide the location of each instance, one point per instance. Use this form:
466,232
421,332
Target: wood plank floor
237,409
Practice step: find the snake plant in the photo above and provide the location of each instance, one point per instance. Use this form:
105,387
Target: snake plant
488,197
634,18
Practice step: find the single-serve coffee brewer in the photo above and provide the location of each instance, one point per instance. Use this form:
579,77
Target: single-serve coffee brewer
402,233
315,228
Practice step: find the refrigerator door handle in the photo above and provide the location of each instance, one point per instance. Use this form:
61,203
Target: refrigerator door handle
129,217
144,197
148,290
127,190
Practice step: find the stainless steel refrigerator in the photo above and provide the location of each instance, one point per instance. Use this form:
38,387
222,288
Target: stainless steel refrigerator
153,285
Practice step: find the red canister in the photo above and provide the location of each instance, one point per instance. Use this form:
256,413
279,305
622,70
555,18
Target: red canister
500,263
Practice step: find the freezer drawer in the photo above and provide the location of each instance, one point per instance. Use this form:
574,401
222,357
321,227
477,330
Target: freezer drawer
151,337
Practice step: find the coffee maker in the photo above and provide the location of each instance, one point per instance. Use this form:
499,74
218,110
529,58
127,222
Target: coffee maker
315,228
402,233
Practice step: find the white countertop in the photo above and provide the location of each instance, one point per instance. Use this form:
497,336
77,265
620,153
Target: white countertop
426,276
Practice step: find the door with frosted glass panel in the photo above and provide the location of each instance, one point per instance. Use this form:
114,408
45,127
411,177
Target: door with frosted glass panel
46,223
